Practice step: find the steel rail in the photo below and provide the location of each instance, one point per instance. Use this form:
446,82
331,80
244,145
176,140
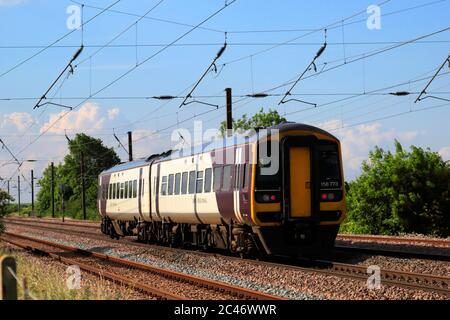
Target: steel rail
345,237
439,284
392,253
119,279
197,281
395,239
355,248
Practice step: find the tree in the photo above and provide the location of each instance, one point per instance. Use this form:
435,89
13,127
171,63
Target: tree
404,192
97,158
259,120
5,198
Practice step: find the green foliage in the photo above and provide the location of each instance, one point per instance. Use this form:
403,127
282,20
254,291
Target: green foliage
96,159
5,198
401,192
259,120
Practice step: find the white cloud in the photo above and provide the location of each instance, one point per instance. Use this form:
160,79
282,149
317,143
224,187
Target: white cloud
86,118
113,113
445,153
147,142
20,120
358,141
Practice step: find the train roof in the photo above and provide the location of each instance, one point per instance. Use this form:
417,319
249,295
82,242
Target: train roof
214,145
127,166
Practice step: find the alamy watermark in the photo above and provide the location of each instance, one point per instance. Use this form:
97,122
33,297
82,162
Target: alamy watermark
73,281
230,148
374,280
374,20
73,22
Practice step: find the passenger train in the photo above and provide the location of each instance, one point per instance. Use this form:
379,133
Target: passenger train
195,199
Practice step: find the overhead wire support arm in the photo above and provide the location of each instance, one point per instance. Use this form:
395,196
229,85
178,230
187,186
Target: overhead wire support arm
213,63
312,64
120,143
424,91
12,154
69,65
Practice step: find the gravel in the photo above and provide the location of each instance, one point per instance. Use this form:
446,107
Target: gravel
275,280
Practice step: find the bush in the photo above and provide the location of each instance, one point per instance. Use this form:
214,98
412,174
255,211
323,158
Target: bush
404,192
5,198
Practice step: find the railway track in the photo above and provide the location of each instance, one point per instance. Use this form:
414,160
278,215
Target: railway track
342,237
358,249
394,239
352,249
98,261
397,278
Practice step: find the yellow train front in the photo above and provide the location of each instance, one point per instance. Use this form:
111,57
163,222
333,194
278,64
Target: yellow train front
298,210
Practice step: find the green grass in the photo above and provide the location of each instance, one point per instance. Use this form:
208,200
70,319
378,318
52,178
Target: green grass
46,280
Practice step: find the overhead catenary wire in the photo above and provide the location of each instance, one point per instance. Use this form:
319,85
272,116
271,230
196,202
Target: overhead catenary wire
55,42
51,125
424,91
331,26
311,64
219,54
213,44
120,34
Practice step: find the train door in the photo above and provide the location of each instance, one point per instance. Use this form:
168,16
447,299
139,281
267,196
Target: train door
298,178
300,181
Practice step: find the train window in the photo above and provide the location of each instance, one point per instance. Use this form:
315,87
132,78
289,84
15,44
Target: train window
135,189
266,181
117,190
130,189
199,187
164,186
217,178
122,187
125,195
192,181
177,184
226,184
110,191
329,169
237,181
113,191
184,183
245,178
171,180
208,180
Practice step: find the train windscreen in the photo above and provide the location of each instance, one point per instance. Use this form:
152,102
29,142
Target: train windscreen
267,181
329,168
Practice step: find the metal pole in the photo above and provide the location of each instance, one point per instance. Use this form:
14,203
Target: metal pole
130,146
83,187
32,193
18,192
229,111
53,189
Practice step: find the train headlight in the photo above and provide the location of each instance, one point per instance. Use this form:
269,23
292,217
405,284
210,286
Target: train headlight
266,197
331,196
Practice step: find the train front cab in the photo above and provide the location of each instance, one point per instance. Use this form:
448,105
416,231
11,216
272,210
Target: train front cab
299,209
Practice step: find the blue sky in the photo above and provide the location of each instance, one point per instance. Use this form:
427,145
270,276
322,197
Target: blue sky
26,25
